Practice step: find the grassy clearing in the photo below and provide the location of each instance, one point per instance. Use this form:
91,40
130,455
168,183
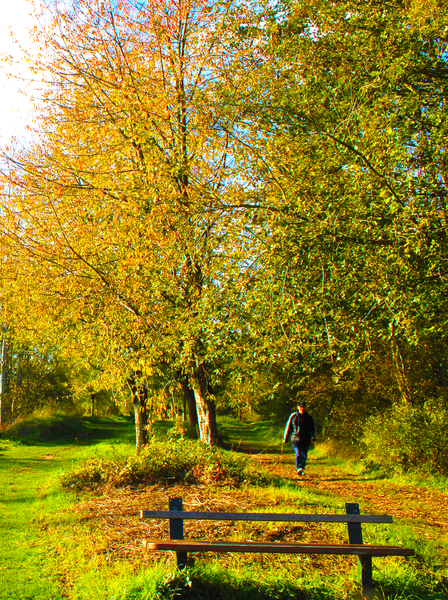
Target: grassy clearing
28,479
59,428
33,453
256,437
80,545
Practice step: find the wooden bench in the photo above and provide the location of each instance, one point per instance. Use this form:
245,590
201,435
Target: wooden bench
353,518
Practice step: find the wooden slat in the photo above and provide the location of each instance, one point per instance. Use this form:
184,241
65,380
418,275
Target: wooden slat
166,514
278,548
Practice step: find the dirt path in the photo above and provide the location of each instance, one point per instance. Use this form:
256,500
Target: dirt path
423,508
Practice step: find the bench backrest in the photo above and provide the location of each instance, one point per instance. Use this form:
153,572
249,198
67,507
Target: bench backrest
352,517
308,518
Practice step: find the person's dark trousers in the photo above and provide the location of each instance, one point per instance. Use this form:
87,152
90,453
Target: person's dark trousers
301,453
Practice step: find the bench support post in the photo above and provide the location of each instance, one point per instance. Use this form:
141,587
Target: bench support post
177,531
366,576
365,562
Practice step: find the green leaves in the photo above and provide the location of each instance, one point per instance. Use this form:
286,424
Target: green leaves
347,114
260,189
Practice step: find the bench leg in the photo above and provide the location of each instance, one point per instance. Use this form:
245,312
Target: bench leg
366,576
365,562
181,559
177,531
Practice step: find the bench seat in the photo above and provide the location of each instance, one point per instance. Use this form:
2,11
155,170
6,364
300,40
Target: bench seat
277,548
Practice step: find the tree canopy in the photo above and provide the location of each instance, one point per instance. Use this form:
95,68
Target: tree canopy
241,197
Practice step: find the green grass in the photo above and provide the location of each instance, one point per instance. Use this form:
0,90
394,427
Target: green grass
59,428
32,500
47,553
29,489
258,436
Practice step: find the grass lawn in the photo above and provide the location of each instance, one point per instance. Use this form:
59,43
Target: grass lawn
28,476
32,502
89,545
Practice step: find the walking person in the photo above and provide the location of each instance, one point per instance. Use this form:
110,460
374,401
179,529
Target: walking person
302,431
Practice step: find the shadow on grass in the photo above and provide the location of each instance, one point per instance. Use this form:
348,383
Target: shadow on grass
67,429
200,588
196,588
251,438
98,430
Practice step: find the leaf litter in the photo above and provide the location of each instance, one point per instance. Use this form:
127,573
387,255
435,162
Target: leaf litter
120,533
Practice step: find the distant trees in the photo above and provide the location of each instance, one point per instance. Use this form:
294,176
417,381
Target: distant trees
249,198
32,379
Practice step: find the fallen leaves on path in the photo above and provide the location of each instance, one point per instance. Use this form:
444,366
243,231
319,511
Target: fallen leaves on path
118,532
375,495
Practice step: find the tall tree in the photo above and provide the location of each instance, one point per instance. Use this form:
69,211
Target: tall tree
347,113
118,208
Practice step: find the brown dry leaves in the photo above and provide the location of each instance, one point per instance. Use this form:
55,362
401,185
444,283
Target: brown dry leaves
113,519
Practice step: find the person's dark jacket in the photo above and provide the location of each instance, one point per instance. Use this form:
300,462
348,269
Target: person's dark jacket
301,428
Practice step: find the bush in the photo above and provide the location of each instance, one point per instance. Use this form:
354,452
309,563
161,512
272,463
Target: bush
408,437
177,460
182,430
46,428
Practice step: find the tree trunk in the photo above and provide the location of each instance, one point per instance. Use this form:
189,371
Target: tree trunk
138,426
139,394
19,380
3,378
190,402
19,373
92,403
206,412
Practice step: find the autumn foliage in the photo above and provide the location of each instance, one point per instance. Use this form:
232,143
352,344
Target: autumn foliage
236,203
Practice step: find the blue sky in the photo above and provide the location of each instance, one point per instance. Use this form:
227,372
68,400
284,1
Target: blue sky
15,104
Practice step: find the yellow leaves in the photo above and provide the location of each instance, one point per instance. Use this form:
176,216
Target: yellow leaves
121,197
422,12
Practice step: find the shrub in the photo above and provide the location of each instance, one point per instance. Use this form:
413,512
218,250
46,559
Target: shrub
182,430
47,428
408,437
177,460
